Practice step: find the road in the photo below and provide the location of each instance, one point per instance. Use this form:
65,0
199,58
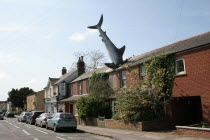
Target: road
11,129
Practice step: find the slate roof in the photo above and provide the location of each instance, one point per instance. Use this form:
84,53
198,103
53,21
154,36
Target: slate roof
72,99
186,44
88,74
63,77
53,80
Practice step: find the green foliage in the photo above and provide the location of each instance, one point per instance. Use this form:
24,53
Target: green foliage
91,107
99,85
95,104
18,96
147,99
116,116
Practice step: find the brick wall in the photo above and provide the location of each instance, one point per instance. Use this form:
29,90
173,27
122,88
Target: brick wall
84,87
196,82
193,131
114,80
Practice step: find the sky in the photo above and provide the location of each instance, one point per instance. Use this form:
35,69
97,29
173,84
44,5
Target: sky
39,37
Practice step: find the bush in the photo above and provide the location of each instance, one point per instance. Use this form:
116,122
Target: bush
92,106
116,116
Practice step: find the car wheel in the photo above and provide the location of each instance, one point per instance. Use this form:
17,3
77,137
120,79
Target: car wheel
55,128
41,125
47,126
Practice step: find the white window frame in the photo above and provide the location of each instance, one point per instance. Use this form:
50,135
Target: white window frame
142,74
114,108
182,72
79,88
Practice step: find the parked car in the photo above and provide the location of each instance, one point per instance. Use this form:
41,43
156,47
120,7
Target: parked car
9,114
41,120
1,115
23,116
4,112
62,120
32,116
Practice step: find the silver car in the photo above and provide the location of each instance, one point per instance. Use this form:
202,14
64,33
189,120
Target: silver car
41,120
1,115
23,116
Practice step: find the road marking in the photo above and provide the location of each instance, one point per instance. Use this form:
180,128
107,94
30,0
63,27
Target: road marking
27,126
36,139
41,131
10,123
60,138
26,132
16,126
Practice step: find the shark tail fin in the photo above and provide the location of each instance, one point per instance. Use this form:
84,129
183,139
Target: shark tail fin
122,50
98,25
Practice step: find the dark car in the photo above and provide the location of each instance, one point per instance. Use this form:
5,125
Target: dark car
9,114
32,116
1,115
4,112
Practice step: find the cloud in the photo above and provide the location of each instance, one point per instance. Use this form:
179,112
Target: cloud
82,35
14,27
7,58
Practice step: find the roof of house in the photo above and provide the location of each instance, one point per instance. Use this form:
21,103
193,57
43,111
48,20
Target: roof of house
88,74
186,44
67,75
53,80
72,98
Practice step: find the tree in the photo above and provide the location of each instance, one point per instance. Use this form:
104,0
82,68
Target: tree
18,97
96,103
93,59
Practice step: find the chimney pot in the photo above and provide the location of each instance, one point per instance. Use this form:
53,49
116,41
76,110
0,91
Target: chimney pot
64,71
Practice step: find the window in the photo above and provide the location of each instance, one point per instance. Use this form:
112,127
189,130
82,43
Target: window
87,86
80,88
71,90
142,72
123,79
180,66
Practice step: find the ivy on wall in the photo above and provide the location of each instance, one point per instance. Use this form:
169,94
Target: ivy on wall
147,99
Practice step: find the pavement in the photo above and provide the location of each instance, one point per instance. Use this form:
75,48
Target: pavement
120,134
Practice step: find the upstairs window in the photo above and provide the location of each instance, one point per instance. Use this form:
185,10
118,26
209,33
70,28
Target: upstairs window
142,72
123,79
180,66
87,86
72,89
80,88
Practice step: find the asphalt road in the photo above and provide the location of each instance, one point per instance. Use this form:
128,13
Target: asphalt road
11,129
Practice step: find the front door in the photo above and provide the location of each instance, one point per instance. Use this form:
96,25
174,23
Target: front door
71,108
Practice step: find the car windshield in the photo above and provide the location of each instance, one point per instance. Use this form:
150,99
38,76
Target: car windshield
67,116
48,115
1,112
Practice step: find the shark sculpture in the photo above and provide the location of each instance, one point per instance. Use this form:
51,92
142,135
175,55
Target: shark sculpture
115,54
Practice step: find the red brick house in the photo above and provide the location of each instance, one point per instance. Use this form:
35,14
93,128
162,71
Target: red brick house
191,89
79,88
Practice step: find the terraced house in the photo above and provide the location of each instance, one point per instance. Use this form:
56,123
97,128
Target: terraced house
191,85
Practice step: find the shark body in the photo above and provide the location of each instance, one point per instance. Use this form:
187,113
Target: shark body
115,54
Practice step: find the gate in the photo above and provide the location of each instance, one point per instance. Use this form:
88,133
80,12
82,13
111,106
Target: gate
101,121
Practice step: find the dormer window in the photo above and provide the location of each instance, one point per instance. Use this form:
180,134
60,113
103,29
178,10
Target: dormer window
180,66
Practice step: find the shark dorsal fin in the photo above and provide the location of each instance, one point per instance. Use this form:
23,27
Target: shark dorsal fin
121,50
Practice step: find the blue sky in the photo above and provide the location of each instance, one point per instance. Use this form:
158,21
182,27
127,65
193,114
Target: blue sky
39,37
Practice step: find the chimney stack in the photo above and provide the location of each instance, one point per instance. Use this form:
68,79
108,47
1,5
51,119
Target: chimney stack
64,70
80,66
